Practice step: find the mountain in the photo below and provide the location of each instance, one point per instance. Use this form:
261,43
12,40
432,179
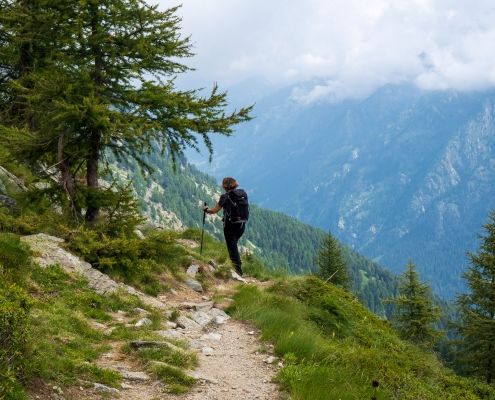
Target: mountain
281,242
403,174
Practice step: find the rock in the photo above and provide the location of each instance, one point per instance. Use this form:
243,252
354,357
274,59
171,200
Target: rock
215,312
50,253
170,324
206,306
211,336
143,322
251,333
9,203
126,386
169,334
138,310
13,181
269,360
219,320
186,305
135,376
194,285
236,276
207,351
174,292
143,344
104,388
196,344
192,270
212,264
98,325
139,234
196,375
201,318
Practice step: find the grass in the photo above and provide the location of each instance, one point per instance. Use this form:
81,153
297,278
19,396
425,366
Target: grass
326,360
331,346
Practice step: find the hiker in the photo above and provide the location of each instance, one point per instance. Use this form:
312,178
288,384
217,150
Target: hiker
235,210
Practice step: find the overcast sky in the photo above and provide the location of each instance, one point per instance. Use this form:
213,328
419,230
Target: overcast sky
355,45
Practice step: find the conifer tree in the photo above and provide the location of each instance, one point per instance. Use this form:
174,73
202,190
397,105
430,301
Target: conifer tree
331,262
102,81
475,349
415,312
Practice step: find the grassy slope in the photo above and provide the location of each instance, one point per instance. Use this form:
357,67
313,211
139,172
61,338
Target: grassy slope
334,348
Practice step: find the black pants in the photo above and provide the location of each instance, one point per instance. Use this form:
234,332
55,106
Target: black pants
232,233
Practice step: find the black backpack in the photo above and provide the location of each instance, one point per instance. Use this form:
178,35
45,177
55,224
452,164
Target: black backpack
238,212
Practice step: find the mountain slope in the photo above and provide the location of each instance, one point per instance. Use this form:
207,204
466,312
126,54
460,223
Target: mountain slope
174,200
403,174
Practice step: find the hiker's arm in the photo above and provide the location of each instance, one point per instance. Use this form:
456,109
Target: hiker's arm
213,210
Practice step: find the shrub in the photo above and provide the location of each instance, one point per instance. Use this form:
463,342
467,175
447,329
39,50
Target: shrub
14,258
14,332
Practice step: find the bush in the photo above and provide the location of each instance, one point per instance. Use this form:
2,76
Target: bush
14,258
14,332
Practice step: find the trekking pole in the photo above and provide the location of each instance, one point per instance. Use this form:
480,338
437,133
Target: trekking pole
203,230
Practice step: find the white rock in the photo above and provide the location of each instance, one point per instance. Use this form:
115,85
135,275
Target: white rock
192,271
196,375
211,336
135,376
215,312
188,323
251,333
104,388
169,334
138,310
205,307
170,324
201,318
126,386
269,360
143,322
219,320
207,351
174,292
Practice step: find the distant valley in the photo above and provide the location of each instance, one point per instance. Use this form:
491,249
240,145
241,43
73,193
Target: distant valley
400,175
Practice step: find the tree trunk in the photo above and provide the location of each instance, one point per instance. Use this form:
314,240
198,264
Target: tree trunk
92,175
66,176
95,139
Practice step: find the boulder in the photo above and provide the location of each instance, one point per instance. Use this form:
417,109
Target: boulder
194,285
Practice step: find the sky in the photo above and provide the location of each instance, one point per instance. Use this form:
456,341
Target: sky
356,46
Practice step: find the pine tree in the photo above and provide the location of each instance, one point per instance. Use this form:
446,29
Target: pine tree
331,262
102,81
475,349
415,312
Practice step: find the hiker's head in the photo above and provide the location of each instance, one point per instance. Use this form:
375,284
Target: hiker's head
229,184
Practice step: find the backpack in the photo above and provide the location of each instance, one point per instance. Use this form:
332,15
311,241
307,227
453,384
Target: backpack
238,212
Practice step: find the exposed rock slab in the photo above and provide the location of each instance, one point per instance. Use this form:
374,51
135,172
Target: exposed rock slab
188,323
50,252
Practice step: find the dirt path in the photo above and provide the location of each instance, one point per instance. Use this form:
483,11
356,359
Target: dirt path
231,359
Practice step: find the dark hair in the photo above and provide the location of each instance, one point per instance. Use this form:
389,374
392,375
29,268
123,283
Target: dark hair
229,183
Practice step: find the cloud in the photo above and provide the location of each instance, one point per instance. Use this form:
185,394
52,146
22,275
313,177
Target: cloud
355,45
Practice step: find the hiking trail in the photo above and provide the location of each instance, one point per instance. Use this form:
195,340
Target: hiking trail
233,362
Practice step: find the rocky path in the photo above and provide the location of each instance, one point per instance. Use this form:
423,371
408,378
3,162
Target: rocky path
233,363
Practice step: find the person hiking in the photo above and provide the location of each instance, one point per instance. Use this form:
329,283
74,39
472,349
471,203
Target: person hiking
235,210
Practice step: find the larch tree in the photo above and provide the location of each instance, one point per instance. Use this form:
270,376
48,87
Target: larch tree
104,81
331,262
415,312
475,348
